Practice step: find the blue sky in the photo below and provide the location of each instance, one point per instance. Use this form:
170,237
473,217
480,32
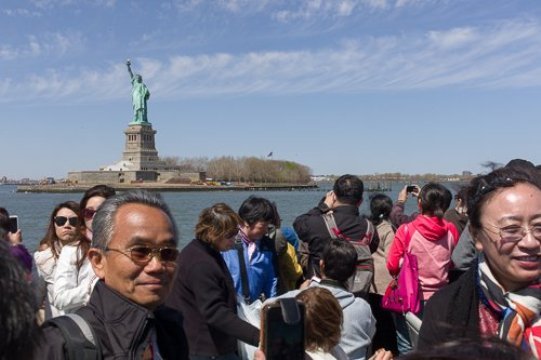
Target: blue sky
343,86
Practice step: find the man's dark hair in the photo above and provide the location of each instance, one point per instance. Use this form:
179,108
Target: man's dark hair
255,209
340,260
19,331
348,189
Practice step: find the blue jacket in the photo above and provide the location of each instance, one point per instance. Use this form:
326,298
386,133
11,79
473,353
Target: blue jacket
262,277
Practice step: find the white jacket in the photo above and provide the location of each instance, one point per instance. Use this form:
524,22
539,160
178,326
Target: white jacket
46,266
72,286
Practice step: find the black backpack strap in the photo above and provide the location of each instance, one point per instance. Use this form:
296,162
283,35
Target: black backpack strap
243,272
81,342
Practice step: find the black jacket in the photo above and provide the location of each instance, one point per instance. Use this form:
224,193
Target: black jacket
311,228
122,328
452,312
203,291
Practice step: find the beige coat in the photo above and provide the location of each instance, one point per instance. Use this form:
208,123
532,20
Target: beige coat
382,278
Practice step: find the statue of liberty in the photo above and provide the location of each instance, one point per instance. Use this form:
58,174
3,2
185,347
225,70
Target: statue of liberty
140,95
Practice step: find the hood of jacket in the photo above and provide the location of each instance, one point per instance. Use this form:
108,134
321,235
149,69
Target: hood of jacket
431,227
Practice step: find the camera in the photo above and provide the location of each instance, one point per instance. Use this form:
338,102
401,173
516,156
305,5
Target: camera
411,188
13,223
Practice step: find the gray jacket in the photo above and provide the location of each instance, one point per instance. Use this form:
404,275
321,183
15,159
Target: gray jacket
359,323
464,252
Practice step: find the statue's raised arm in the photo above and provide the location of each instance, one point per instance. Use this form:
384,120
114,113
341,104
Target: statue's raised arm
128,64
140,95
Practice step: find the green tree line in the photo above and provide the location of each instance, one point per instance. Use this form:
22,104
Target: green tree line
245,169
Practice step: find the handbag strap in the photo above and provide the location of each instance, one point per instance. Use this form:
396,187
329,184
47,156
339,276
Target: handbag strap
243,272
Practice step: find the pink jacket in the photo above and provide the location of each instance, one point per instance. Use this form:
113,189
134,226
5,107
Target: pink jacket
432,240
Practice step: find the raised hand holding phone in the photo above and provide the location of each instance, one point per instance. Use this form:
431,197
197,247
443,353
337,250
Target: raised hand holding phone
282,330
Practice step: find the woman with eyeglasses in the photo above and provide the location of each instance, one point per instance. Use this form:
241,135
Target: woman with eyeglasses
500,295
74,278
64,228
203,290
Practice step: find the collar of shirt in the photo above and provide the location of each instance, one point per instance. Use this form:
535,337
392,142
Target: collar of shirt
245,238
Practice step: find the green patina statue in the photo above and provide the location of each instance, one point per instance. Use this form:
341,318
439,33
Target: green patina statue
140,95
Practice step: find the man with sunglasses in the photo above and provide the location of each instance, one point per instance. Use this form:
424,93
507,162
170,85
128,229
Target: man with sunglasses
133,252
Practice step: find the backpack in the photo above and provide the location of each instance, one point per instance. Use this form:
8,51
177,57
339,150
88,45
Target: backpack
360,282
80,340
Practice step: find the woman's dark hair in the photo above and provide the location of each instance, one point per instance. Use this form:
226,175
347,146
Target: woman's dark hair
435,199
323,318
17,310
50,239
99,190
471,349
103,191
380,208
255,209
4,222
216,222
483,188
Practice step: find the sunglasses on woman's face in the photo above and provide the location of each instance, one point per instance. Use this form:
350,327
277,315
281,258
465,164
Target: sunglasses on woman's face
61,220
88,213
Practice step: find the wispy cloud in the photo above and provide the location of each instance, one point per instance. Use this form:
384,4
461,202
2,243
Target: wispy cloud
289,11
21,12
498,56
48,4
48,44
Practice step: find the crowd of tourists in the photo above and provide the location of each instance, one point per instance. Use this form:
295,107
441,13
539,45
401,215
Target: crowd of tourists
450,281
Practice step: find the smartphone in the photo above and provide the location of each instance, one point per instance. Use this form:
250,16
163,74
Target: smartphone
281,340
13,223
411,188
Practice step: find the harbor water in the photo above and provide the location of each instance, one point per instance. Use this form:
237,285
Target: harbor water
34,209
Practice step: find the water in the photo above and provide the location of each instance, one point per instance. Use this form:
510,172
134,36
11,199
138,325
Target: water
34,209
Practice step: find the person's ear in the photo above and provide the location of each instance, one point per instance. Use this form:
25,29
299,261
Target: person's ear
98,261
478,245
475,236
321,266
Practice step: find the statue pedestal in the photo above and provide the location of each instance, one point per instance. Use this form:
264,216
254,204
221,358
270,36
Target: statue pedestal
140,148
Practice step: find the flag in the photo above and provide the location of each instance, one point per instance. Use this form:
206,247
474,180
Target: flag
270,154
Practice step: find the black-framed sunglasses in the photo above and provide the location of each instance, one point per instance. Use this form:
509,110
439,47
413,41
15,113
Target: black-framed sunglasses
61,220
88,213
141,255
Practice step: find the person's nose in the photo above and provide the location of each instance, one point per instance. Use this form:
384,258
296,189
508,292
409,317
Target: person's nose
529,241
155,264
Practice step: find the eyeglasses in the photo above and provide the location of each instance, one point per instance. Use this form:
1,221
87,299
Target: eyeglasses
141,255
514,233
61,220
88,213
